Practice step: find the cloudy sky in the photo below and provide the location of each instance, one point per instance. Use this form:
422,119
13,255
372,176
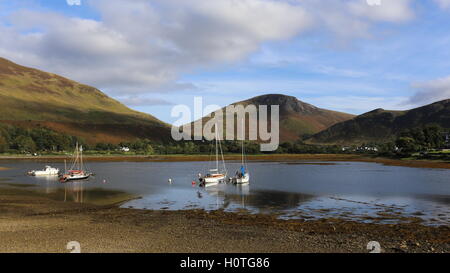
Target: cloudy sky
345,55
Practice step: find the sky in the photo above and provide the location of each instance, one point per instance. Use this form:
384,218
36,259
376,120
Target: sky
345,55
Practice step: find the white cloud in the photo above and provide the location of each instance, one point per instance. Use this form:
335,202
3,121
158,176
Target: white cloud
444,4
342,72
431,91
73,2
388,10
349,19
143,101
144,46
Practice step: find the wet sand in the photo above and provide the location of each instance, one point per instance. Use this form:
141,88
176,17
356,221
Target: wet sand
272,157
33,223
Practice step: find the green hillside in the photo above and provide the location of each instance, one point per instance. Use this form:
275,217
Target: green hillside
32,98
383,125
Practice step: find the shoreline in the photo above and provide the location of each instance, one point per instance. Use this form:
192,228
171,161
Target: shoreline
273,158
33,223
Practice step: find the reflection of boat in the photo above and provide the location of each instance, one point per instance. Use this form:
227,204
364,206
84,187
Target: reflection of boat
243,189
216,175
75,191
242,175
77,171
48,171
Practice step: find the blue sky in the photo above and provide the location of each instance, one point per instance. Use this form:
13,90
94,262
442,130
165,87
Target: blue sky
343,55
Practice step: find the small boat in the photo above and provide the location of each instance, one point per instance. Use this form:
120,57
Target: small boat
48,171
73,175
216,175
77,171
242,175
213,178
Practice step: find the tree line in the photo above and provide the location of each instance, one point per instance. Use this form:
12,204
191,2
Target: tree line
422,139
15,140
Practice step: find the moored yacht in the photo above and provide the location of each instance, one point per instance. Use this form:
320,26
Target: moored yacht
242,175
77,170
216,175
47,171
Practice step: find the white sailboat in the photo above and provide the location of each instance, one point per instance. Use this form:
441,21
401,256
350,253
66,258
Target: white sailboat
216,175
242,175
77,171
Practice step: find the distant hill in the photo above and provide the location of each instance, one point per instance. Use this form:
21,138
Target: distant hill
383,125
297,118
32,98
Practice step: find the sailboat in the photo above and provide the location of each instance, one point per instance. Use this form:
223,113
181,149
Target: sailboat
242,175
216,175
77,171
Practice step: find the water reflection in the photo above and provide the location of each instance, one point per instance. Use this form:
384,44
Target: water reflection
47,183
74,191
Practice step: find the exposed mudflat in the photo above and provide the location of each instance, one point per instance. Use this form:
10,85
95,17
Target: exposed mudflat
30,223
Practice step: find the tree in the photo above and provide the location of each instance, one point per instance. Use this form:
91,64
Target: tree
406,144
433,136
25,144
149,149
3,144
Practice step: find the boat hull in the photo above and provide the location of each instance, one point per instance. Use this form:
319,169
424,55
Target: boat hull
41,173
48,171
242,180
211,180
74,178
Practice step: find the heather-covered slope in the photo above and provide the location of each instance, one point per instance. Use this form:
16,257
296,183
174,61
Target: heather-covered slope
32,98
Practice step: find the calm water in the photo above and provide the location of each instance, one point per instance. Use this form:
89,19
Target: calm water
351,190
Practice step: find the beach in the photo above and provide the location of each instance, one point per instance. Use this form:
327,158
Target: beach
34,223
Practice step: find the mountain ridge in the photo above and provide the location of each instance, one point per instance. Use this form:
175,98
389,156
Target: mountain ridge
297,118
381,125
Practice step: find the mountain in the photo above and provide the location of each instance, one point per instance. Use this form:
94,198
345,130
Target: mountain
297,118
383,125
32,98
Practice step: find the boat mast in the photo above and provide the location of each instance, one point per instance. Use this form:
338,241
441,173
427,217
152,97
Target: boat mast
223,159
75,162
243,137
217,149
81,157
